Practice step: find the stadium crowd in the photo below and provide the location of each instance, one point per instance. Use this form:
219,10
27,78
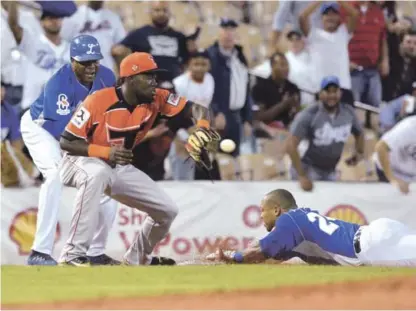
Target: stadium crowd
283,87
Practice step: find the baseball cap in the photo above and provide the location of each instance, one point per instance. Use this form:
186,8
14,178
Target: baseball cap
57,9
200,53
328,81
228,22
329,6
293,33
137,63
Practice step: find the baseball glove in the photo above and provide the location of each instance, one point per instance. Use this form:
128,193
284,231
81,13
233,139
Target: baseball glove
200,143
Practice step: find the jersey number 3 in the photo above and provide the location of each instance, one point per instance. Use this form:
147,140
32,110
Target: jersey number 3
324,223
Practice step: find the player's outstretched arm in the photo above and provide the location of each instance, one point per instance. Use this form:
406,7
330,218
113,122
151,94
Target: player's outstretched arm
251,255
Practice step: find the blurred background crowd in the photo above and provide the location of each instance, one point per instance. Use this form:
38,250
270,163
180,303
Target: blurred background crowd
285,80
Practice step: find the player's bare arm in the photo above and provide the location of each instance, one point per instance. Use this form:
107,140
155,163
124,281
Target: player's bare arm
253,254
80,147
13,20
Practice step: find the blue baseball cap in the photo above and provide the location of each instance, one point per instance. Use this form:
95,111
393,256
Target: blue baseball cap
328,81
57,9
85,48
329,6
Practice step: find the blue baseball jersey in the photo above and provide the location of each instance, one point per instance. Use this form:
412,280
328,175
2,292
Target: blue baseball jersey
303,224
61,96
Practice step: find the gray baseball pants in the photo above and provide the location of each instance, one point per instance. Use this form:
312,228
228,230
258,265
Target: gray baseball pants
125,184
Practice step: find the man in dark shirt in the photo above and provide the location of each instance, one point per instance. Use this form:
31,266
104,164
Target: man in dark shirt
403,70
167,46
276,98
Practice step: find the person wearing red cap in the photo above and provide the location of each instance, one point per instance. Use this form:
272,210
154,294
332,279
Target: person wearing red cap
99,140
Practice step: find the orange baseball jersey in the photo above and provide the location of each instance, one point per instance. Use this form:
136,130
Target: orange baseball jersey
105,119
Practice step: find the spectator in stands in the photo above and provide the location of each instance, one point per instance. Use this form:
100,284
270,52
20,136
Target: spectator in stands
276,98
397,109
369,56
197,85
396,155
328,45
300,66
46,50
232,101
95,20
13,62
396,28
12,156
403,70
150,154
326,126
288,12
168,46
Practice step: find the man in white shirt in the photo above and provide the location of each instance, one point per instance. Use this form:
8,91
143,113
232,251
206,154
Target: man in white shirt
328,45
14,63
196,84
300,66
395,155
95,20
287,13
46,51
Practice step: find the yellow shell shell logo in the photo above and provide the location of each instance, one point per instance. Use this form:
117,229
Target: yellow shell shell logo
347,213
23,228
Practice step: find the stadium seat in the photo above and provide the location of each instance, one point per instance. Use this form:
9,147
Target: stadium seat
227,165
256,167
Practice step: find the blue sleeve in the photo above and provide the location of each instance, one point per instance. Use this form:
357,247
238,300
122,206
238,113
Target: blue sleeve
283,238
14,130
110,78
389,113
56,106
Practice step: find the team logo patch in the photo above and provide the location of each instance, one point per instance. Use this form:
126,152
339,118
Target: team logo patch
81,117
91,47
173,99
63,105
347,213
23,228
134,68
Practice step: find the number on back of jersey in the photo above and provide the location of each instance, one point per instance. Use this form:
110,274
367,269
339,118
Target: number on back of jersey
81,117
324,223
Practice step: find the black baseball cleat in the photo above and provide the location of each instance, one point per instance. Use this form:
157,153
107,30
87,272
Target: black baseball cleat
103,260
162,261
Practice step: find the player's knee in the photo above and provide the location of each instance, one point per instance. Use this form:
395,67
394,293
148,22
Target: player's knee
171,212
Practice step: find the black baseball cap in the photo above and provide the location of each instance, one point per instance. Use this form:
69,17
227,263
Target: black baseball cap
200,53
228,22
293,33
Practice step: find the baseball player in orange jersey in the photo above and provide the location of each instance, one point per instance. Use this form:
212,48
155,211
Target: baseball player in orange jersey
98,142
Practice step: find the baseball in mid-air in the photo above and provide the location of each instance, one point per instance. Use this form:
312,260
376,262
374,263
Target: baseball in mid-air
227,145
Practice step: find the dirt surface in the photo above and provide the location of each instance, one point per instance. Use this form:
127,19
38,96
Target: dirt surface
394,293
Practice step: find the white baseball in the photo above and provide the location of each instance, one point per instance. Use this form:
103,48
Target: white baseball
227,145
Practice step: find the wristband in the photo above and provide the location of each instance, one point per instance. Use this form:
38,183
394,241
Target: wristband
238,257
99,151
203,123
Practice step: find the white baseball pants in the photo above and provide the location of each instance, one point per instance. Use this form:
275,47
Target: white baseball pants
126,184
387,242
47,155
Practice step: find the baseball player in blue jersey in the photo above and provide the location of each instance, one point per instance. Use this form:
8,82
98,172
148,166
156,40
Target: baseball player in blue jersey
384,242
41,127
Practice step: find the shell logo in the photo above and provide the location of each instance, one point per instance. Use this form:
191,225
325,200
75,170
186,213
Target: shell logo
23,228
347,213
